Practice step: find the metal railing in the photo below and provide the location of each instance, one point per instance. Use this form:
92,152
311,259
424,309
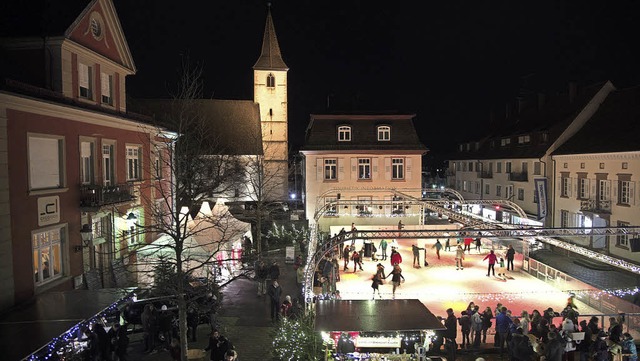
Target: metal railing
94,195
596,206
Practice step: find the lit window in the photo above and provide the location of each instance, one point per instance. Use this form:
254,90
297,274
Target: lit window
623,239
364,168
330,169
487,189
583,188
85,81
564,218
384,133
271,81
46,162
331,206
505,142
520,194
86,162
133,162
397,168
344,134
507,167
626,192
397,205
107,165
498,191
565,187
524,139
106,87
47,254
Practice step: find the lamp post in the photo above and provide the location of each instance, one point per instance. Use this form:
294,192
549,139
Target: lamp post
86,234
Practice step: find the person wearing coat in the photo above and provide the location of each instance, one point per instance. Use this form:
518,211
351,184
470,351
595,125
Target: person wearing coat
492,263
275,292
218,345
554,349
396,258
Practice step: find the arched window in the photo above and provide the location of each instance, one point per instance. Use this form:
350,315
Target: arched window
384,133
344,133
271,81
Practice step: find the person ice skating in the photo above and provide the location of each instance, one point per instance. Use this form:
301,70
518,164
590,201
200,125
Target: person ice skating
396,258
502,272
416,255
511,253
346,257
459,258
383,249
438,247
376,281
492,262
355,256
447,245
478,244
396,278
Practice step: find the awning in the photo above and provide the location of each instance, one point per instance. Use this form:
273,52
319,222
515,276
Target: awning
30,326
374,315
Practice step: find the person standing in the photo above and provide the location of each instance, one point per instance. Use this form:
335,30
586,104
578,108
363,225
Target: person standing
355,256
275,292
459,258
150,327
396,278
346,257
451,323
511,253
465,326
438,247
503,323
193,319
584,347
274,271
330,278
478,244
447,245
492,263
467,244
218,345
487,315
261,278
400,227
416,255
554,349
396,258
285,308
119,341
376,281
383,249
629,347
476,327
502,272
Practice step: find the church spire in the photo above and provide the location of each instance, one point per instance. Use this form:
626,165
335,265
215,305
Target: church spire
270,58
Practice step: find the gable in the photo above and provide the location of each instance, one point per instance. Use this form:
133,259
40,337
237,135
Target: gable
98,28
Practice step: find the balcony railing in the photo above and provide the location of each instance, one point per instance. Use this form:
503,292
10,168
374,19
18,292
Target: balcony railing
485,174
519,176
97,195
595,206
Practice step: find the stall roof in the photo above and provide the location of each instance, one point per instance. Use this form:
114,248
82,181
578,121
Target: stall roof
378,315
30,326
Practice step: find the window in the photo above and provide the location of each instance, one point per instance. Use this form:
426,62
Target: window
505,142
397,205
524,139
564,218
271,81
330,169
604,187
625,195
364,206
498,191
544,137
507,167
344,134
331,206
397,168
623,239
478,188
47,254
508,192
465,186
86,162
537,170
565,186
520,194
157,167
487,189
470,166
46,162
108,167
106,85
583,188
498,167
133,162
364,168
85,81
384,133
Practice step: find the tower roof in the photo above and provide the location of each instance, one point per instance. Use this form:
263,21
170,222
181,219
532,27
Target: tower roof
270,58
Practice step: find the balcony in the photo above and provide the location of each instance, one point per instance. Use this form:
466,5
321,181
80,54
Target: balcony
595,206
95,196
485,174
519,176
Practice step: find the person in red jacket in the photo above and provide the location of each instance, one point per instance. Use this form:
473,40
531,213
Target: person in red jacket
396,258
492,262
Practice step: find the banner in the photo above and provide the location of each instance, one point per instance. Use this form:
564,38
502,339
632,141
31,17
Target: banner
541,189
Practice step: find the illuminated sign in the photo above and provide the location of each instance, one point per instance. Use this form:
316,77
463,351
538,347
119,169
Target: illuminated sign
48,210
375,342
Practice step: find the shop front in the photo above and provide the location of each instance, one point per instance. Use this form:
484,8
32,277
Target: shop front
376,329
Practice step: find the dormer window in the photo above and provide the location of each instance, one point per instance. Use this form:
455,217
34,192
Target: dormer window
344,133
505,141
544,137
524,139
384,133
271,81
85,81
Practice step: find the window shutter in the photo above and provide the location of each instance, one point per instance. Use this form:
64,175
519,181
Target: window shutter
587,187
374,168
105,84
593,188
387,168
607,192
570,187
85,149
632,193
319,169
354,168
559,186
409,168
614,195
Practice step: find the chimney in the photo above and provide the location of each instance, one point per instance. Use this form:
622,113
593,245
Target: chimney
542,99
573,91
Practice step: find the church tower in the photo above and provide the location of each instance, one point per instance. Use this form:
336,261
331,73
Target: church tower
270,92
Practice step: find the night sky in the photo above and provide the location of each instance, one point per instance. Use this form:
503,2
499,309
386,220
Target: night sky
451,62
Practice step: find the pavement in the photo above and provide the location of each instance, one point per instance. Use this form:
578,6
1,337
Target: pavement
244,317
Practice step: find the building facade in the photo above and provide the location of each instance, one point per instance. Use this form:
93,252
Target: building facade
362,169
77,170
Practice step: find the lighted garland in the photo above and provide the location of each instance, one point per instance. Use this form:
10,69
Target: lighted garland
59,346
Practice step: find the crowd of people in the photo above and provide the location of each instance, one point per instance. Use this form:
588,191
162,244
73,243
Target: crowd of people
531,336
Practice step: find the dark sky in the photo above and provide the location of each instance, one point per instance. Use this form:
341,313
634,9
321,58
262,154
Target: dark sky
451,62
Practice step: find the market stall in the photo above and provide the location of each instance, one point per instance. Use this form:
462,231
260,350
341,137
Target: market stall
376,329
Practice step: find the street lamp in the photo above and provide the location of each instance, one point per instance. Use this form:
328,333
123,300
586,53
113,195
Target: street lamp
86,233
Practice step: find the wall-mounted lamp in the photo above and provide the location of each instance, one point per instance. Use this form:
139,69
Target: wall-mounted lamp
86,233
131,219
